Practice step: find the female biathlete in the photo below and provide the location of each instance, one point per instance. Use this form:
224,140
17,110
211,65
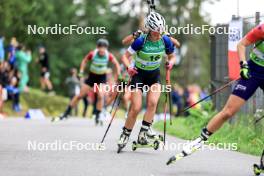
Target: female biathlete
149,50
252,77
99,59
128,40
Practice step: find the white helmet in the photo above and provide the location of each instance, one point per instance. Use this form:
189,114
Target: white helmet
155,22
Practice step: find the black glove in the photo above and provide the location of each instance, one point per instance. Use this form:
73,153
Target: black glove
137,33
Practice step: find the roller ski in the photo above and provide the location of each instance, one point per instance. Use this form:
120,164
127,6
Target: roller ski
144,141
63,116
123,140
258,169
188,149
59,118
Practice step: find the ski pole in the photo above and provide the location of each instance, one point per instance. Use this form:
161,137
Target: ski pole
167,95
114,113
213,93
165,112
110,123
151,4
262,160
259,120
168,82
114,102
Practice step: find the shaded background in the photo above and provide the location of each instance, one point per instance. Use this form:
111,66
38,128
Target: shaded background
120,19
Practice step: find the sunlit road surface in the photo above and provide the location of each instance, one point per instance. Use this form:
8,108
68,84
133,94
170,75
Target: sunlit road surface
18,159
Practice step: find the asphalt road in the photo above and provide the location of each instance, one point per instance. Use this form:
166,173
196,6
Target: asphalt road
17,159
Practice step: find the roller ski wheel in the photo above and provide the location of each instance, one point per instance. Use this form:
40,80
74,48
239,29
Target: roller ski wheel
257,169
134,146
155,145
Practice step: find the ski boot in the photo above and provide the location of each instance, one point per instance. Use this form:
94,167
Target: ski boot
152,135
258,169
96,120
123,140
144,142
188,149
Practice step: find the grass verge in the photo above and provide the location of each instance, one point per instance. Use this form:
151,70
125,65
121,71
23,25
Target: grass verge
36,99
249,138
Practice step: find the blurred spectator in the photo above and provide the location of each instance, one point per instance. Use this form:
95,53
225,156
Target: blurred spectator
43,60
177,96
2,49
9,83
11,50
194,95
23,58
1,99
13,93
204,93
3,83
73,85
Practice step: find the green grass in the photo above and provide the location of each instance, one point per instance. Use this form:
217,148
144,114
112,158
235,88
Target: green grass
36,99
50,105
249,138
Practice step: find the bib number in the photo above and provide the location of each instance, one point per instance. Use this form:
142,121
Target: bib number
154,58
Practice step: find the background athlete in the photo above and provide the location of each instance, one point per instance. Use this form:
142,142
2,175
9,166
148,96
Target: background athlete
252,77
99,58
149,50
43,60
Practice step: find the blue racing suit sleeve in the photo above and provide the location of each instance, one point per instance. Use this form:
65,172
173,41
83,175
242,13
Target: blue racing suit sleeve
169,46
138,43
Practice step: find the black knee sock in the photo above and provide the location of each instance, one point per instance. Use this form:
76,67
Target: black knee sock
67,112
145,126
97,113
205,134
127,131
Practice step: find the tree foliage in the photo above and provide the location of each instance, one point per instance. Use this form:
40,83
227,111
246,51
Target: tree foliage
66,51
